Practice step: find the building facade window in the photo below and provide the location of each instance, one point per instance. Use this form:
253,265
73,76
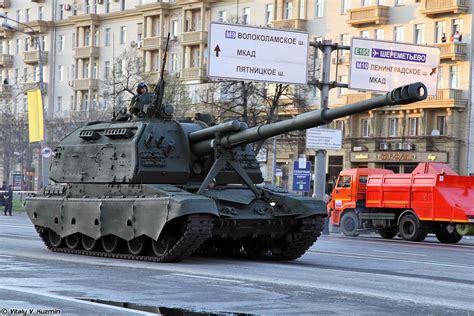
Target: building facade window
61,43
94,71
419,36
107,6
302,13
27,15
453,77
60,73
123,34
59,105
96,38
399,2
108,35
398,33
107,69
222,16
344,39
456,26
440,32
319,8
174,62
413,126
288,10
18,46
364,34
268,13
40,13
87,38
365,129
345,4
441,124
393,127
379,34
246,16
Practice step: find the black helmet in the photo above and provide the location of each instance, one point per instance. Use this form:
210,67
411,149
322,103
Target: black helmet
140,86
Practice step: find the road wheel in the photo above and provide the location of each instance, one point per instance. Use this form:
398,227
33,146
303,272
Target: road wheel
349,224
410,228
73,241
138,245
110,243
446,237
55,239
88,243
387,232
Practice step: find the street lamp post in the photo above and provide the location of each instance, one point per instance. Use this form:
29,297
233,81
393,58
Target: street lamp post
37,41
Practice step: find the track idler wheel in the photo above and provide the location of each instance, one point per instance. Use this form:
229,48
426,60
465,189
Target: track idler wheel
138,245
73,241
163,245
55,239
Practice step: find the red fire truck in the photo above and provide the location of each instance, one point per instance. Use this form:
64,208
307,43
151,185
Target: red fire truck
431,199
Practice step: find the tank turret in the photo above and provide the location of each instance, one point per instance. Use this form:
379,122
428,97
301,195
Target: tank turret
164,189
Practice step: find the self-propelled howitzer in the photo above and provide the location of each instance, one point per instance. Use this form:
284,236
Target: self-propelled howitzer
156,189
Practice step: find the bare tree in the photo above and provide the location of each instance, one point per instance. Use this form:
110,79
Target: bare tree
255,103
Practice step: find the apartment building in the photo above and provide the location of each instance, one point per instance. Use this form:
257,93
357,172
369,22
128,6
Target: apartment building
82,37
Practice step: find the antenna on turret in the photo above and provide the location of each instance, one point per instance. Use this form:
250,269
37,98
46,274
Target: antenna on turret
160,87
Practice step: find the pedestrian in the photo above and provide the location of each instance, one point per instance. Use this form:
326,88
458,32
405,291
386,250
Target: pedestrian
8,201
457,37
2,199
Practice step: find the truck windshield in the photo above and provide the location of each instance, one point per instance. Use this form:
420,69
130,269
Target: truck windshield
344,182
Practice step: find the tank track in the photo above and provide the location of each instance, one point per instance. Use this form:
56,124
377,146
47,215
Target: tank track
198,229
301,238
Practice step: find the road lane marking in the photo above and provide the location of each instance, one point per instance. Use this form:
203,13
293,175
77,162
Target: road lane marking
336,254
401,253
206,278
69,299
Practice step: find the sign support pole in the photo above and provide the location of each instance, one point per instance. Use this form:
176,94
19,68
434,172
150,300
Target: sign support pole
319,183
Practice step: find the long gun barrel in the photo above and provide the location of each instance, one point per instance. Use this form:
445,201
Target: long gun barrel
404,95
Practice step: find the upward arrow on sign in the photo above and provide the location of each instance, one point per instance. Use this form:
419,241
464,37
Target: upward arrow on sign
217,50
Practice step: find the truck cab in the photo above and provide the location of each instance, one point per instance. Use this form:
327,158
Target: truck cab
350,191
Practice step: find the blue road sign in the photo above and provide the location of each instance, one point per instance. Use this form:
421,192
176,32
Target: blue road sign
301,177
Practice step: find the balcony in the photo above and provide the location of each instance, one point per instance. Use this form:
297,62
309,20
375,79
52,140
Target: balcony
6,61
5,33
86,52
26,86
432,8
194,73
377,14
445,97
153,43
85,84
194,38
292,24
38,26
4,3
33,57
5,90
452,51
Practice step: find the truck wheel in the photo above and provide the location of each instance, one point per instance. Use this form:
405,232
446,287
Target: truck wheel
350,224
446,237
410,229
387,232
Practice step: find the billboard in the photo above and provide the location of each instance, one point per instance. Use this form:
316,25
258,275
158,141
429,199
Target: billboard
241,52
383,66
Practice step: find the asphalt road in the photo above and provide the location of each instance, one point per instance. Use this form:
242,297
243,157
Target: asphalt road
338,276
